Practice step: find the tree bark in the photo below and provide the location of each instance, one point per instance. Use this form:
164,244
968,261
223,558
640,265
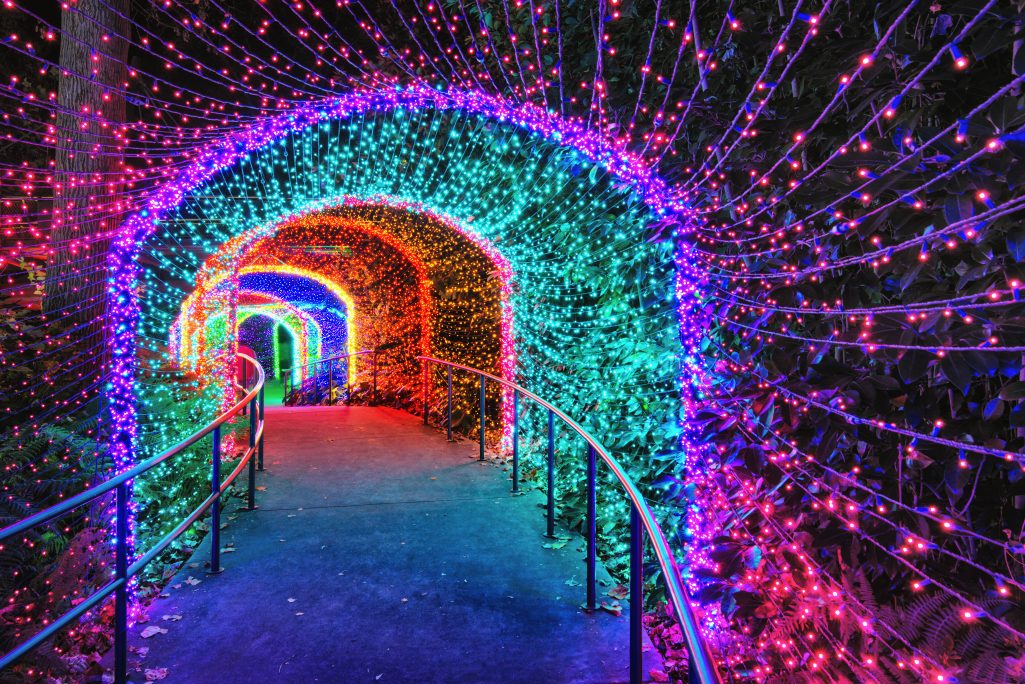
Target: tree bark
89,159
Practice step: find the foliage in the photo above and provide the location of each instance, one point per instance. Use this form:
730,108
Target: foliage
45,571
756,416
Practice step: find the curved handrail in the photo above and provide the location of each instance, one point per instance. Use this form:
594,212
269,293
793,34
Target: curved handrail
333,358
290,385
119,483
701,659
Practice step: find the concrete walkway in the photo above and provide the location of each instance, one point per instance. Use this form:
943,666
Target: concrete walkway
381,553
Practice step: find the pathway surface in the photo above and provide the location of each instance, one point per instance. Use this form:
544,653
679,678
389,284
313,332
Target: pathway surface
382,553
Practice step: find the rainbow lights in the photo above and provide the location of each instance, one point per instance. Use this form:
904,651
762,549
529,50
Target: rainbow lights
323,305
771,253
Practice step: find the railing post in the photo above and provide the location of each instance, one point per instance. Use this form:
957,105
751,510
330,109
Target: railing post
516,441
551,473
259,448
636,595
449,421
252,458
245,381
592,527
426,371
215,508
375,377
316,383
692,671
331,383
482,409
121,593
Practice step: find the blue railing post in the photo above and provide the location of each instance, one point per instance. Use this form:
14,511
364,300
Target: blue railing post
314,389
375,377
636,595
516,441
449,421
259,448
316,384
592,527
551,473
215,508
427,370
331,383
252,458
482,409
121,593
245,381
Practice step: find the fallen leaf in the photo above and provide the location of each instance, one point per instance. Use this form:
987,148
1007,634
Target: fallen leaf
156,674
300,613
192,581
152,630
172,618
291,600
616,608
261,489
618,592
572,582
558,543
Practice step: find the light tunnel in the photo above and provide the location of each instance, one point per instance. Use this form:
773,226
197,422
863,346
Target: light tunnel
456,233
303,331
318,298
262,331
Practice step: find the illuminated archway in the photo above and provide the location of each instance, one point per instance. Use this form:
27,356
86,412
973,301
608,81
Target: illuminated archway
598,302
196,312
458,307
262,332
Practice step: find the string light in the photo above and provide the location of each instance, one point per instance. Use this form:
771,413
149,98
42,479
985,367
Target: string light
722,272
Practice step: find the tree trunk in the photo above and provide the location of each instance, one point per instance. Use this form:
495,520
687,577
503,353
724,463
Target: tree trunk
89,161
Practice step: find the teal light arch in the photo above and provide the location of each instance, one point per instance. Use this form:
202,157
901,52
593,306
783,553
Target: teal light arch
595,302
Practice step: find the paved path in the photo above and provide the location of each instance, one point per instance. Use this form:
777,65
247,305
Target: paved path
382,553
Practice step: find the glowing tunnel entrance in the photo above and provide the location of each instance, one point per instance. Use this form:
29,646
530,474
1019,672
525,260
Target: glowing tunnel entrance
276,342
325,311
493,243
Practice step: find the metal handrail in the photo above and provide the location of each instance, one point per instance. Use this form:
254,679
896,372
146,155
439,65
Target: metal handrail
286,374
702,667
123,572
333,358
